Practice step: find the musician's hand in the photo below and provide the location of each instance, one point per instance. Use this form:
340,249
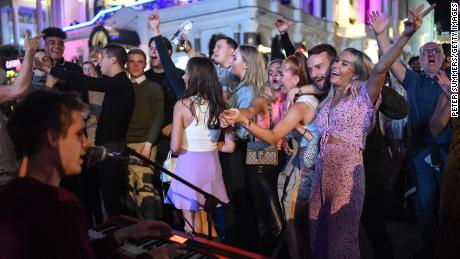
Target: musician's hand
142,229
167,252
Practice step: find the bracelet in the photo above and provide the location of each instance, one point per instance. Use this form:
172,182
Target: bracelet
187,51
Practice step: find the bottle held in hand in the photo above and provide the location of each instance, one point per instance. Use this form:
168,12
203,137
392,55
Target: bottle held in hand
185,27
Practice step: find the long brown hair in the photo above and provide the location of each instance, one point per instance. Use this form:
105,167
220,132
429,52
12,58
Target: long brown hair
203,82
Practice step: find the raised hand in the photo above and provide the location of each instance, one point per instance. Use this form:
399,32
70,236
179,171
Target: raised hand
444,82
282,25
378,23
187,47
414,22
154,22
31,44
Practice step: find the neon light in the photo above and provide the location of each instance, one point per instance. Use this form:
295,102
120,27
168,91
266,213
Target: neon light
139,2
92,21
102,13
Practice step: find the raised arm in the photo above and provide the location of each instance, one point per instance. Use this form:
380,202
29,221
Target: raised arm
166,62
283,25
379,25
377,77
22,82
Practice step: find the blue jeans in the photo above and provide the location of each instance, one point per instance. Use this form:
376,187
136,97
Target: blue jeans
429,183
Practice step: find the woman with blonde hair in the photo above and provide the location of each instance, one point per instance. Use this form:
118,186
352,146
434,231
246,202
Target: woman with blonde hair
240,225
293,182
346,117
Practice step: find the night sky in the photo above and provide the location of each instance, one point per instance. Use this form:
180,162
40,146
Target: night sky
442,13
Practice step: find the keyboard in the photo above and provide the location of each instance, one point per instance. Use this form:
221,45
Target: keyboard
195,247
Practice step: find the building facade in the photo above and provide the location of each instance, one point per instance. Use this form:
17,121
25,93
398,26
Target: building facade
338,22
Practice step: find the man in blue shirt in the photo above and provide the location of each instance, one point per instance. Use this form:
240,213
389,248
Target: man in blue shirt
427,153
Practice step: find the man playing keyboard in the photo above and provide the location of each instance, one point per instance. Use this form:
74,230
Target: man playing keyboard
38,219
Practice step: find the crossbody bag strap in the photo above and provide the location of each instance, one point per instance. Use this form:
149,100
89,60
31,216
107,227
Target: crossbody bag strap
270,111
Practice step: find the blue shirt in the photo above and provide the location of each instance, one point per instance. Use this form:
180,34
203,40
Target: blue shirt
242,98
422,94
226,79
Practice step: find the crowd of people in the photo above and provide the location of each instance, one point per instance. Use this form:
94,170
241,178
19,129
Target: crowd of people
324,127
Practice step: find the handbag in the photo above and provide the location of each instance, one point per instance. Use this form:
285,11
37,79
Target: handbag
170,165
259,152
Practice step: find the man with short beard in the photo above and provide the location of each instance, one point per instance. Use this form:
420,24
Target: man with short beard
116,112
320,59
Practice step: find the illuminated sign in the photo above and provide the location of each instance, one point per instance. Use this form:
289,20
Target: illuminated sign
15,63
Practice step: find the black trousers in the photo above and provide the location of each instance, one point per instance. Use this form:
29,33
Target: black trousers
113,181
373,208
240,222
172,216
263,184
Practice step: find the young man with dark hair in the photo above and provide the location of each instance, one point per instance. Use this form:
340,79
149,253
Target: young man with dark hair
222,55
54,47
115,116
169,77
38,219
143,132
164,72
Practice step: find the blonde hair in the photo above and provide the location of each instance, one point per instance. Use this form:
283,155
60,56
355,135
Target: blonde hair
255,67
362,67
